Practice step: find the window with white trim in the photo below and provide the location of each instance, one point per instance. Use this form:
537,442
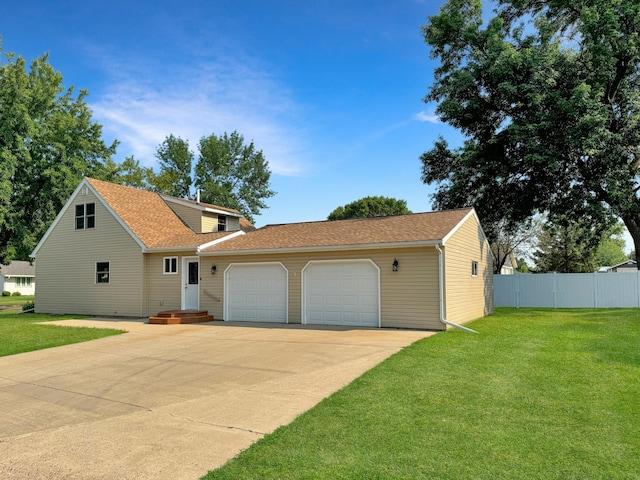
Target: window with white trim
102,272
170,265
23,281
222,223
474,268
85,216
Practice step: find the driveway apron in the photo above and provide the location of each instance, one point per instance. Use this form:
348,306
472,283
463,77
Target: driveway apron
170,401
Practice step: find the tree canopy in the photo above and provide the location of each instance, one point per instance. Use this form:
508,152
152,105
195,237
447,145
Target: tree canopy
48,142
547,94
233,174
176,162
370,207
569,247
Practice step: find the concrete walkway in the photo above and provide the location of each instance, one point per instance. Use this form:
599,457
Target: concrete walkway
170,402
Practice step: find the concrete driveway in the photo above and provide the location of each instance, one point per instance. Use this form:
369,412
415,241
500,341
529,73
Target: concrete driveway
170,401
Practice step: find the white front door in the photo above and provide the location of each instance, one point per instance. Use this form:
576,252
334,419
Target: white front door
190,283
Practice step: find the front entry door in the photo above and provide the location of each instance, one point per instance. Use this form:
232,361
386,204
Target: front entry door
190,283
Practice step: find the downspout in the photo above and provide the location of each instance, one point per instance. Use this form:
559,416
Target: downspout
441,285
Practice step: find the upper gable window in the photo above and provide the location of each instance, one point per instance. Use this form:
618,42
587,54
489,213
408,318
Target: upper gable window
222,223
474,268
85,216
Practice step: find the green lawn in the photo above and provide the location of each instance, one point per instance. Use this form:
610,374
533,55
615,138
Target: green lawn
18,300
537,394
19,332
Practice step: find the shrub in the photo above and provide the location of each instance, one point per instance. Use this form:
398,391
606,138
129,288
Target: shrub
6,293
28,306
16,294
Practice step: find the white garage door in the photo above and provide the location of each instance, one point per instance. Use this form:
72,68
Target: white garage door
256,293
341,293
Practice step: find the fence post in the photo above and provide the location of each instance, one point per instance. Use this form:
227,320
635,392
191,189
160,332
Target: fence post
595,290
555,289
517,290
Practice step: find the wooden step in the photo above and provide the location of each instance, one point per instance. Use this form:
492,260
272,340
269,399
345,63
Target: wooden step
173,317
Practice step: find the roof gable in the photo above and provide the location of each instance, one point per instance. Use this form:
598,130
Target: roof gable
419,228
143,214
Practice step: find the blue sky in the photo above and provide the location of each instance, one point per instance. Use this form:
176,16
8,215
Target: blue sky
330,91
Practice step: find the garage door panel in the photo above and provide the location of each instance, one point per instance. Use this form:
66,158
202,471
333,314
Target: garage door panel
257,293
341,293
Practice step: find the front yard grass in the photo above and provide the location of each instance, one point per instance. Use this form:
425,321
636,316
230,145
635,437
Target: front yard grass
544,394
15,300
19,333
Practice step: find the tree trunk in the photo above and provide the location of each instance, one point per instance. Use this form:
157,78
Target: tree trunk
632,223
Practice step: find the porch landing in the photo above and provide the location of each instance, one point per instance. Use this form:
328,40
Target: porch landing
172,317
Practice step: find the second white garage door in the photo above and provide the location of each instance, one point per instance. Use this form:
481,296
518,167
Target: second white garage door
341,293
256,293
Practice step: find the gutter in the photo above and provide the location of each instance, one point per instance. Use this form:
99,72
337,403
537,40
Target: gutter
322,248
441,285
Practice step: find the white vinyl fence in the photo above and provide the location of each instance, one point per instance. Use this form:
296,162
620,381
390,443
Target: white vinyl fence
568,290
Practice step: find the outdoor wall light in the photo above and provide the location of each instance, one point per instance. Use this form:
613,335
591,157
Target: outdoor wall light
395,264
213,269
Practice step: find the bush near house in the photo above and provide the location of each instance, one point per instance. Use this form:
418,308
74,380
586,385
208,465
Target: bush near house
6,293
16,294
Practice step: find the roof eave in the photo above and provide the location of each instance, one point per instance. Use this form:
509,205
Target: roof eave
197,206
325,248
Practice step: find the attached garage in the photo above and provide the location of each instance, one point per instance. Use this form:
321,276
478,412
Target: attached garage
343,292
256,292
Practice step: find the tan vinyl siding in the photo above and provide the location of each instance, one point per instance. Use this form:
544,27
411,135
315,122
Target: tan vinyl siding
408,297
190,216
75,252
210,223
468,297
162,291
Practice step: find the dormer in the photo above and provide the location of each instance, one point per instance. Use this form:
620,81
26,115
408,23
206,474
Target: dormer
203,217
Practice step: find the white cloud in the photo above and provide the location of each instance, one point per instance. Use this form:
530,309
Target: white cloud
423,116
144,103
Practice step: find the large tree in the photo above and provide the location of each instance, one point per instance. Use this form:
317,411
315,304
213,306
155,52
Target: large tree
48,142
547,95
176,162
378,206
233,174
568,246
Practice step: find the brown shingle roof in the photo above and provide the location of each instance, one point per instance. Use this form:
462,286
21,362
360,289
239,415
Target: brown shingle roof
419,227
149,217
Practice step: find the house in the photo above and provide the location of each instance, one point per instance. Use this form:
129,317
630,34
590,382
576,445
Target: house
18,276
627,266
119,251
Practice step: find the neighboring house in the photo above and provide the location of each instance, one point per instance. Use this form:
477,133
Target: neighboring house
18,276
510,265
116,250
628,266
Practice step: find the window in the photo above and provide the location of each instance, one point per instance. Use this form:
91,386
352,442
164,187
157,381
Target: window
23,281
170,265
222,223
85,216
474,269
102,272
